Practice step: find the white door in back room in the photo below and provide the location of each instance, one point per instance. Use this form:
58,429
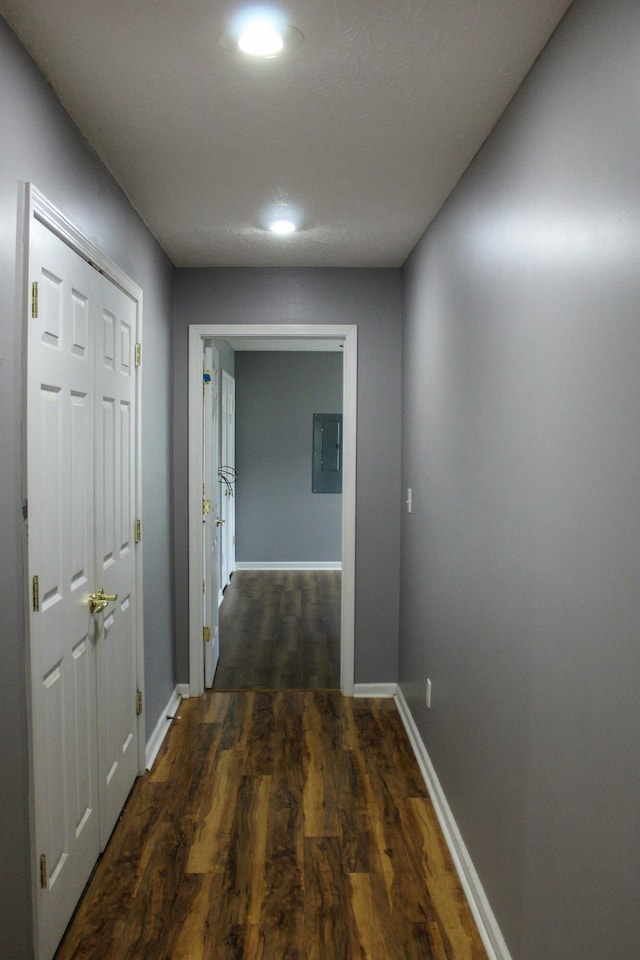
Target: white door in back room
212,522
81,456
228,478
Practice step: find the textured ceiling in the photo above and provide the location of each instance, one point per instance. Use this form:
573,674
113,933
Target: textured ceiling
364,129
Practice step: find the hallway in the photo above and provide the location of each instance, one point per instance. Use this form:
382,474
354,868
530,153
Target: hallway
277,825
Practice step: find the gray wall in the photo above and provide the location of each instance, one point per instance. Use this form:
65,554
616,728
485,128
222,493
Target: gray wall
278,517
521,560
370,299
40,144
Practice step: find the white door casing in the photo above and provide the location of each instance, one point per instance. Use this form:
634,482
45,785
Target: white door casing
211,512
348,334
82,494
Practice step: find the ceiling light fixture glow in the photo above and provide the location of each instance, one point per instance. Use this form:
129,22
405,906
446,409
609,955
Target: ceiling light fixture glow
261,32
261,39
282,227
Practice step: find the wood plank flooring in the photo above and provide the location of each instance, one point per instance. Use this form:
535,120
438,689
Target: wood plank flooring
280,629
286,825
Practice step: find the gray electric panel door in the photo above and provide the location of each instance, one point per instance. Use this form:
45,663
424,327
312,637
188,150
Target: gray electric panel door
327,453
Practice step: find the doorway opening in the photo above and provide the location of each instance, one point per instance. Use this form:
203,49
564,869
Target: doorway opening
278,337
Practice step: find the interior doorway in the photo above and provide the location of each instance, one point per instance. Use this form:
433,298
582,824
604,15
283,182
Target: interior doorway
279,337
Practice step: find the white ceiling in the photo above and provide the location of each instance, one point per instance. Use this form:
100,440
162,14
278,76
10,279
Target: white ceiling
365,128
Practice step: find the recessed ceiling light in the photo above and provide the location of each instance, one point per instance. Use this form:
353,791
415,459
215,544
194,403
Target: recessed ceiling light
261,39
282,227
262,33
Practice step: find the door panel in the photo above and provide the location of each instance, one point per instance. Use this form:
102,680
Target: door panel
80,480
224,490
115,550
61,497
210,527
231,457
227,456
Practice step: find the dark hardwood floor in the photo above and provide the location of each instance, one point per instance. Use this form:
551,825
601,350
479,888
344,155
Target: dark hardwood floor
283,825
280,630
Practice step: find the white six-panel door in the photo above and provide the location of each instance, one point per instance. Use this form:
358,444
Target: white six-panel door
231,456
210,512
228,462
115,548
80,483
60,402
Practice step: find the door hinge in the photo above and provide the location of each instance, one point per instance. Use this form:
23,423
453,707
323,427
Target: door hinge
138,702
36,594
206,634
43,871
138,532
233,541
34,299
138,354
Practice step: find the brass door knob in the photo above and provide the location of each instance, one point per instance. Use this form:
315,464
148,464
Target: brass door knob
98,601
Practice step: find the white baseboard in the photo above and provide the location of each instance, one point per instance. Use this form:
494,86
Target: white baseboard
162,728
289,565
483,914
183,691
375,689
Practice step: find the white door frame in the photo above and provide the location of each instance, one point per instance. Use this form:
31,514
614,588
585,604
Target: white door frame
348,334
36,206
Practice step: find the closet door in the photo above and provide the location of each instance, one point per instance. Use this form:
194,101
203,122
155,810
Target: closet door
60,418
80,505
114,541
